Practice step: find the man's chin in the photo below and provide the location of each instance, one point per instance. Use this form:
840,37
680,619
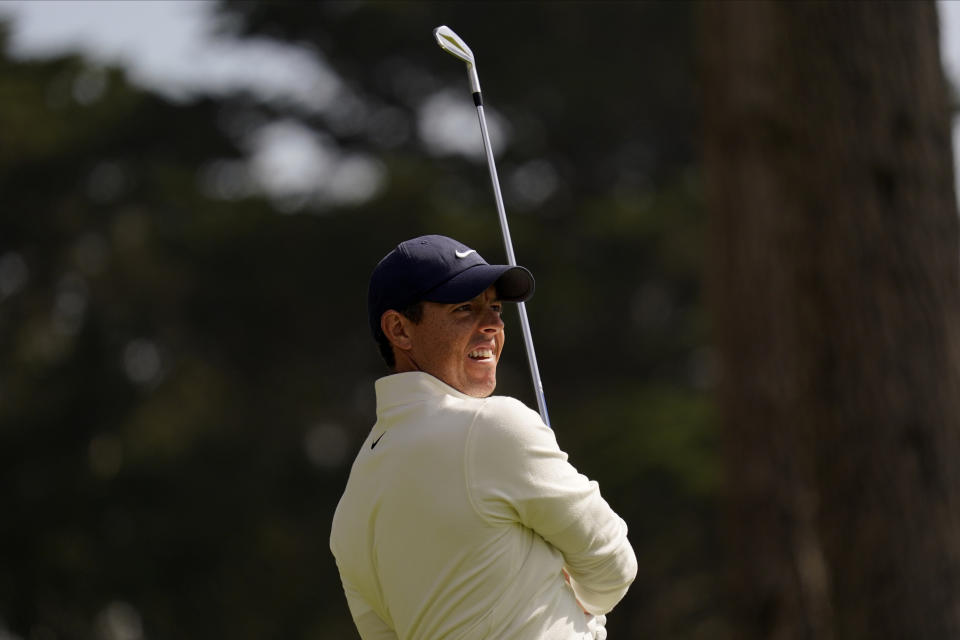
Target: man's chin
481,389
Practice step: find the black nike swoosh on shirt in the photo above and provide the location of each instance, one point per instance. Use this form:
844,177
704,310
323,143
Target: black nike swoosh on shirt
374,443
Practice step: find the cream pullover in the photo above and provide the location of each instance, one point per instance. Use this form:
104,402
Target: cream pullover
459,517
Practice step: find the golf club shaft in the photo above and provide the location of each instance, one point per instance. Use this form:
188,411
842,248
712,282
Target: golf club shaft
455,46
511,259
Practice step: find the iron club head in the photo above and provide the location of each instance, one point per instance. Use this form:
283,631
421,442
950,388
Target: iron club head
453,44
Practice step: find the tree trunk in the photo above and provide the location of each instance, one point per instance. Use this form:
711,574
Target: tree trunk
835,286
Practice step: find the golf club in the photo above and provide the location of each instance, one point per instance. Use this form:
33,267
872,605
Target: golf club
455,46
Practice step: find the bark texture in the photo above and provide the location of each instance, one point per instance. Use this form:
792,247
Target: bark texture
835,286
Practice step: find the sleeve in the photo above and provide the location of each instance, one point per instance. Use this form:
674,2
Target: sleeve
371,627
517,473
368,623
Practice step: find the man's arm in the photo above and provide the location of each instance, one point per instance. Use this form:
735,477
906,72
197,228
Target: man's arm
536,485
598,557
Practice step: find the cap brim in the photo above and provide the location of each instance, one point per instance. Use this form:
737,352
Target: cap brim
514,284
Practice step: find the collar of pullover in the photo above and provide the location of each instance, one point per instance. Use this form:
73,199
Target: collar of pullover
411,387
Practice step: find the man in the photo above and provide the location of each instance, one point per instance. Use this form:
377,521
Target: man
462,517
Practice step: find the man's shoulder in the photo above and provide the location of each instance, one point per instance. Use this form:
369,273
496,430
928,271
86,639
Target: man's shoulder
508,407
506,417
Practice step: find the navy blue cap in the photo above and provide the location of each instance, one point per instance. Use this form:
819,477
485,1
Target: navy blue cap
439,269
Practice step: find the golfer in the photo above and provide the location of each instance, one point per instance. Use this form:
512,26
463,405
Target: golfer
462,518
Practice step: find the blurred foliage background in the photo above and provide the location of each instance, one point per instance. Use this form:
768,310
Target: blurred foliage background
185,365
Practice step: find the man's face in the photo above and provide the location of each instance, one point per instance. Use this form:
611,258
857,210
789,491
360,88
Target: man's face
460,343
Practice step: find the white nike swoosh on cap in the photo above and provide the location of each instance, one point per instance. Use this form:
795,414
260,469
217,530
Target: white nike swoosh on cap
464,254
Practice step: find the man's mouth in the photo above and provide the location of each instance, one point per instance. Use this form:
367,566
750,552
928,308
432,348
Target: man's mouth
482,353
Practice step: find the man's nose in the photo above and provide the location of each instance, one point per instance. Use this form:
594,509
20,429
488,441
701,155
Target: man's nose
491,322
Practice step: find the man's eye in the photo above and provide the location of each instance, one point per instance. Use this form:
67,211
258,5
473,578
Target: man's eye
463,307
497,308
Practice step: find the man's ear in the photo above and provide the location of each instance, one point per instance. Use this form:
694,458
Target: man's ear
393,325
